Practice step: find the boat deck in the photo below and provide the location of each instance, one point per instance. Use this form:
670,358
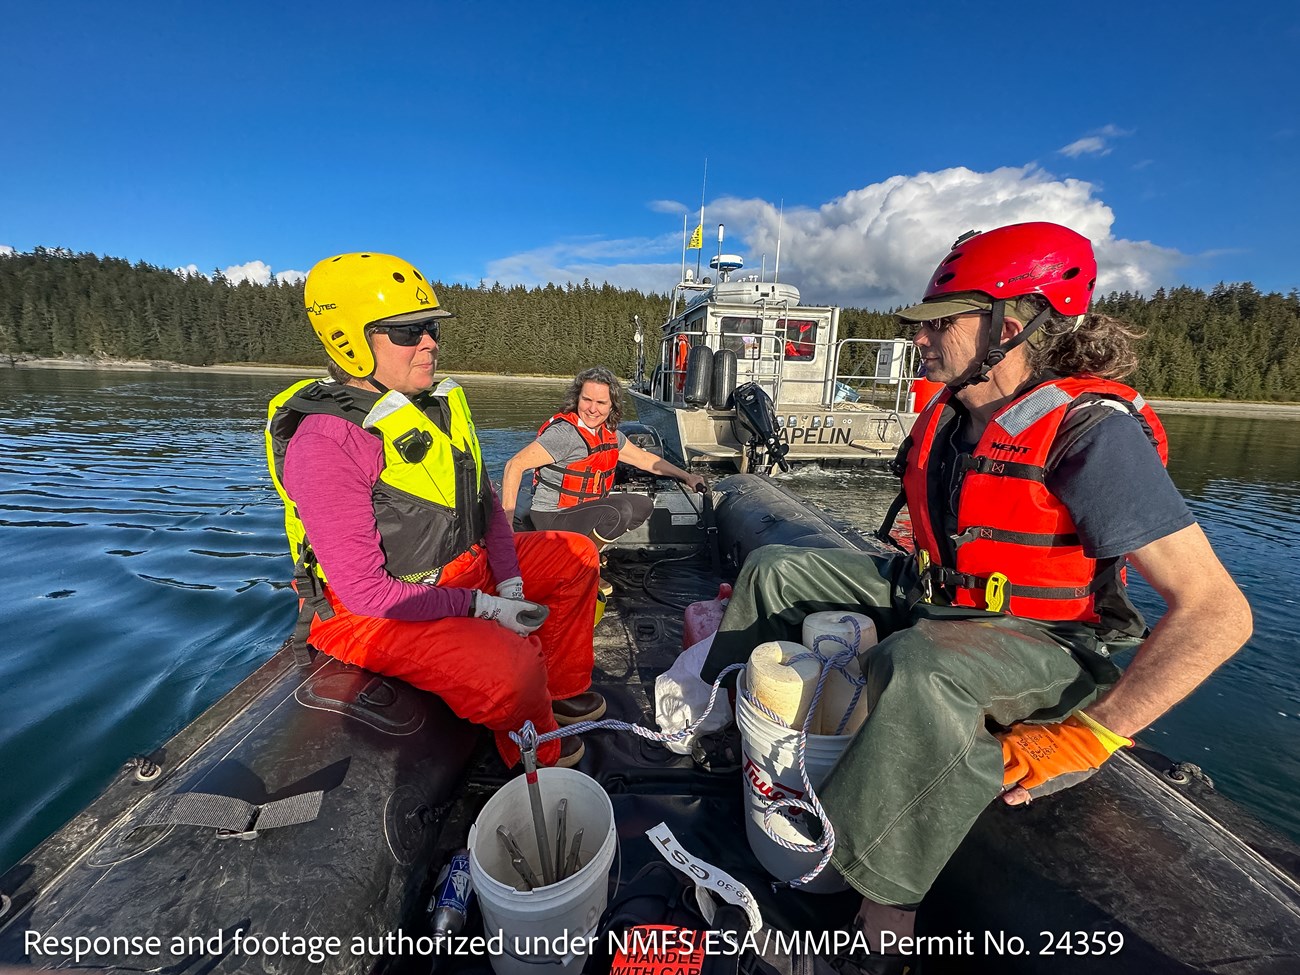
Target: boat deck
1144,851
828,455
636,641
1021,874
855,433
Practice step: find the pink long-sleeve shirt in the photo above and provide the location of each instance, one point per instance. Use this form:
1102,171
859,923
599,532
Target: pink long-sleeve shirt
330,468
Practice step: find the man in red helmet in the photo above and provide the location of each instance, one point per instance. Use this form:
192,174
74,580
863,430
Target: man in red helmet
1031,481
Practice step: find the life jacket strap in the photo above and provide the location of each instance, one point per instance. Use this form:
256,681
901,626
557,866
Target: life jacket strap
311,592
951,580
983,464
1045,540
885,531
585,492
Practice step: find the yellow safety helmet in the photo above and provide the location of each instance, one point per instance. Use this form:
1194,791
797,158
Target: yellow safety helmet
346,293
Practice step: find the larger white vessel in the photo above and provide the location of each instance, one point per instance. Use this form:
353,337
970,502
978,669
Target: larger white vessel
740,340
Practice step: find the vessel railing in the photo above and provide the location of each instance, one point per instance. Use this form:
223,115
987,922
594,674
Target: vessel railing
874,371
761,358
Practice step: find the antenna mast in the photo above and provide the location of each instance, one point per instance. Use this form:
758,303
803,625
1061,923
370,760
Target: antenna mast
776,272
684,242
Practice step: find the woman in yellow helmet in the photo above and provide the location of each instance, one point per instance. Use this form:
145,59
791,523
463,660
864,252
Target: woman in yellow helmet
405,561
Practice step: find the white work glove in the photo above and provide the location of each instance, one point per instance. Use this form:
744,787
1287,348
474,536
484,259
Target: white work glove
511,588
517,615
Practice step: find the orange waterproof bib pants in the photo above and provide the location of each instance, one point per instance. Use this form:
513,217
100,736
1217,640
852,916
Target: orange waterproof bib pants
486,673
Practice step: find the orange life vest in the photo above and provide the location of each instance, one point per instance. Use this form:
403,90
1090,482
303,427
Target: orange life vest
921,392
1017,550
683,348
586,478
798,341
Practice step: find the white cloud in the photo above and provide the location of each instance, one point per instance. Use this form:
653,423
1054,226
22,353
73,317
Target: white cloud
1096,143
872,247
258,272
667,206
1092,145
6,250
580,259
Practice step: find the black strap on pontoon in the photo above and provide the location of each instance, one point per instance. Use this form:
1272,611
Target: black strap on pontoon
232,818
711,538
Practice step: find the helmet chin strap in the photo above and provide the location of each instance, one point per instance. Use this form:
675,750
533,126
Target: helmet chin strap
995,352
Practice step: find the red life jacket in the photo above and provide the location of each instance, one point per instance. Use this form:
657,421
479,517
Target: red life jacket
587,478
1017,550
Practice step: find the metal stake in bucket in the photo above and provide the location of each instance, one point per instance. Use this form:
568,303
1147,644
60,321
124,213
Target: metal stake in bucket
565,912
529,753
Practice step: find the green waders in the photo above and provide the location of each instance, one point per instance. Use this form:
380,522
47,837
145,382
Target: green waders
924,765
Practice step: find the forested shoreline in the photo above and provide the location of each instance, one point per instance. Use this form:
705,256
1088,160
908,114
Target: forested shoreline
1232,343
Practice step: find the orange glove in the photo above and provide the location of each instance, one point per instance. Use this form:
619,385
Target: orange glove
1045,758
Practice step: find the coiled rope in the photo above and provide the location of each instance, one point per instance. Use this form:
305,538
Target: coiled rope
528,739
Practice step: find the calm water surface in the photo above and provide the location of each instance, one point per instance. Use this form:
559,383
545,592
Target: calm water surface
145,574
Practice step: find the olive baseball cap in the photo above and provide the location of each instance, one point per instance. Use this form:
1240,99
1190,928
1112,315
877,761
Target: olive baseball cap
943,306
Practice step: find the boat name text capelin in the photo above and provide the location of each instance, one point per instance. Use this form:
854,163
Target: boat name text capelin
821,435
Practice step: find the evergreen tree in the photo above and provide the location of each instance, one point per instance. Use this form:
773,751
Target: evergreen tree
1234,342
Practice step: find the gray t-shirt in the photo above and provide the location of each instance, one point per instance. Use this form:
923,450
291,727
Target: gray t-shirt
563,442
1112,482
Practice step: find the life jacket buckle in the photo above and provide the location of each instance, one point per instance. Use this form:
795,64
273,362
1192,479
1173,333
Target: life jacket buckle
970,534
979,463
995,593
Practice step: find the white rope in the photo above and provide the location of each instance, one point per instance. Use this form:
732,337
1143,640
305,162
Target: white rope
838,661
528,738
528,733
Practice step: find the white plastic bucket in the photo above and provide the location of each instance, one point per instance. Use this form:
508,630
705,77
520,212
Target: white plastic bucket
531,922
771,771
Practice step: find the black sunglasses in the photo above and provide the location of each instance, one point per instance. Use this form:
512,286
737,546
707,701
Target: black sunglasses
410,334
943,324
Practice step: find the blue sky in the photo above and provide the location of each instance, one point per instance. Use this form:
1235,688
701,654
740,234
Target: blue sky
526,142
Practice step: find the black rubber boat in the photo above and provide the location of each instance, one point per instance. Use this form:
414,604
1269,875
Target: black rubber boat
317,801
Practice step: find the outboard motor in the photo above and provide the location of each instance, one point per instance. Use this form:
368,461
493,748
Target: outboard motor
755,427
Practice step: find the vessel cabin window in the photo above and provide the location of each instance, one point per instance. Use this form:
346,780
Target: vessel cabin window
740,335
800,339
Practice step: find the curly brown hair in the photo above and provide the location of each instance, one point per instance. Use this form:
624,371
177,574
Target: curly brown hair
596,374
1073,345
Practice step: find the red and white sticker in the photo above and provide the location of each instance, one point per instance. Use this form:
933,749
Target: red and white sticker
657,949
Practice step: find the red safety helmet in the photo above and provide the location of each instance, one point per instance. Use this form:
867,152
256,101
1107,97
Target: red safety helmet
1022,259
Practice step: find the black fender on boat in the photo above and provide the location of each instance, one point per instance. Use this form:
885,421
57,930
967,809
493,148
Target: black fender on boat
374,758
